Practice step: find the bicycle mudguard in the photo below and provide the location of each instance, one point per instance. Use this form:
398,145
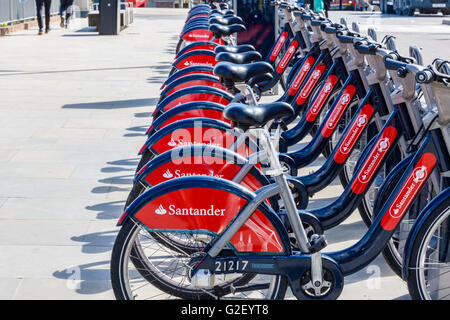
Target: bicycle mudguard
200,93
200,160
193,80
197,23
198,45
195,109
188,71
192,132
198,15
195,58
430,207
197,34
208,205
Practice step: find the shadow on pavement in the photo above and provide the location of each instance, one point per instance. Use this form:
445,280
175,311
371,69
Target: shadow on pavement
105,105
90,278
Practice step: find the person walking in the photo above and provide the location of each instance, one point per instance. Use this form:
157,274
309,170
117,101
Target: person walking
326,4
318,5
65,11
43,4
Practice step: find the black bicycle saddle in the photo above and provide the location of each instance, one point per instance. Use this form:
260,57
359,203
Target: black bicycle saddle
234,49
245,116
241,72
220,30
239,58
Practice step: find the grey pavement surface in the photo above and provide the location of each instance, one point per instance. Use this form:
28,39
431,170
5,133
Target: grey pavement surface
74,108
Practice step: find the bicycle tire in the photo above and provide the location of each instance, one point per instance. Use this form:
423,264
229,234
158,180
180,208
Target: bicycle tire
118,278
415,284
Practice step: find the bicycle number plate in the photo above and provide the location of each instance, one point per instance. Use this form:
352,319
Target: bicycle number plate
438,5
228,266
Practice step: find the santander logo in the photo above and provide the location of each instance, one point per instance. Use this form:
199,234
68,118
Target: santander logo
383,145
192,63
179,174
374,159
160,210
420,174
316,74
204,36
353,134
408,191
181,142
301,76
362,120
336,113
175,211
168,174
278,46
171,143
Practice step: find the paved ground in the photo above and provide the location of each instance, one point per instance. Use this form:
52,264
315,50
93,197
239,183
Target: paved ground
74,107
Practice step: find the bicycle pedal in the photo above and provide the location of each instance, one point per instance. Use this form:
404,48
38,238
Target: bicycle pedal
317,243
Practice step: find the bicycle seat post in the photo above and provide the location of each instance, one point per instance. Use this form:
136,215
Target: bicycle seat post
276,171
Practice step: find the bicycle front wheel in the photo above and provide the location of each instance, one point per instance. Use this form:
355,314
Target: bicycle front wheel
429,275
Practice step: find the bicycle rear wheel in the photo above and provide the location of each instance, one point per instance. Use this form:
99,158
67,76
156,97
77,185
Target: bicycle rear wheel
143,268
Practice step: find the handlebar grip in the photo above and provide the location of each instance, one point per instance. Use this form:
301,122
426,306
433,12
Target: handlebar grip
306,16
316,22
346,39
425,76
392,64
366,49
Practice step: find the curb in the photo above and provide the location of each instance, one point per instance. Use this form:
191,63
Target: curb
24,25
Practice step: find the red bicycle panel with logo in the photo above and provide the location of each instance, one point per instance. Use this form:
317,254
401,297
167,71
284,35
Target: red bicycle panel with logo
321,98
198,35
210,210
200,166
277,48
197,60
193,83
354,133
312,80
204,96
209,47
409,190
301,75
374,159
196,113
198,135
338,110
287,57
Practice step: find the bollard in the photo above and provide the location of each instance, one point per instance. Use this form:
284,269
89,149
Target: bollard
109,11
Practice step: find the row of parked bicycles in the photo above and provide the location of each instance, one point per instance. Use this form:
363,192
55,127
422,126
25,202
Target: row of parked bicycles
218,208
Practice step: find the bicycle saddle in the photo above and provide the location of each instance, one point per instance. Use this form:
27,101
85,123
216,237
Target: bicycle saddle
239,58
220,30
245,116
225,20
241,72
236,49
